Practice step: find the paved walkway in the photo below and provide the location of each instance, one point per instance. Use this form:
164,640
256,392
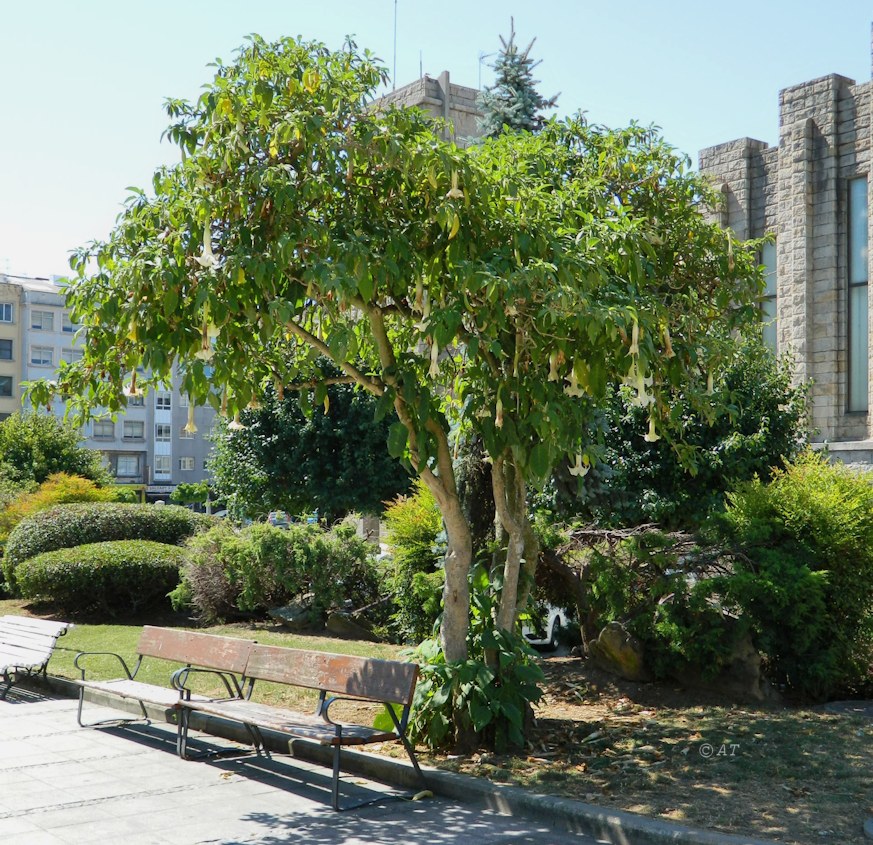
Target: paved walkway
60,783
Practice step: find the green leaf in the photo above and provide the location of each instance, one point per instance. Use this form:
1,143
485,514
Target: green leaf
397,437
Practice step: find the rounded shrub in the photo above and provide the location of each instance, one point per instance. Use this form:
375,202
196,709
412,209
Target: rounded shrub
230,572
109,578
66,526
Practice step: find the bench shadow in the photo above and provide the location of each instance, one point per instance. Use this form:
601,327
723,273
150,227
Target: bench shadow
276,770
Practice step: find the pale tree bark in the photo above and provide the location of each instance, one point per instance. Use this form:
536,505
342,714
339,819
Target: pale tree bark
510,494
441,482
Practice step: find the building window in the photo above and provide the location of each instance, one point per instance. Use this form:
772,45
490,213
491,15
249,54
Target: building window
184,434
103,430
42,356
858,340
183,400
133,430
768,302
135,401
5,350
6,312
162,465
5,385
127,466
67,324
186,464
71,355
43,320
163,401
163,433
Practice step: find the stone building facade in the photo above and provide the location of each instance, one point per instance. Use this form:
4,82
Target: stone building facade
455,104
811,193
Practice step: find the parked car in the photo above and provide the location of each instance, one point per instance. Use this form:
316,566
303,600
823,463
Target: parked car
543,628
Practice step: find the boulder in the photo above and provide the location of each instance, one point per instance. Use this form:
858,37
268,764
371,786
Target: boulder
619,652
740,678
343,625
297,616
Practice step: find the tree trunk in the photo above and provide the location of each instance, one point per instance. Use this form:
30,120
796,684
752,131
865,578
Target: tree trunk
510,503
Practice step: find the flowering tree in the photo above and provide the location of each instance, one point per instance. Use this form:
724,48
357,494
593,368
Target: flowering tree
497,289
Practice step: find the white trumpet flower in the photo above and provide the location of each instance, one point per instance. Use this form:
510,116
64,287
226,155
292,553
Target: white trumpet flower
455,193
235,424
573,389
581,467
553,367
190,427
434,370
636,380
651,436
207,260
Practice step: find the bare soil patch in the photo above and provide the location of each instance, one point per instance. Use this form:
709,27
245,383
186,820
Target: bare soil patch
794,774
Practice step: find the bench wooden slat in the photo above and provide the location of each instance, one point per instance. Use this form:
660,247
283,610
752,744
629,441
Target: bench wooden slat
139,691
360,677
207,650
290,722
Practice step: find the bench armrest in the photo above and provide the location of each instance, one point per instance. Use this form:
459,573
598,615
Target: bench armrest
118,657
230,681
324,705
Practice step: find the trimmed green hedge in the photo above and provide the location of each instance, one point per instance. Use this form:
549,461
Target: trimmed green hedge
110,578
65,526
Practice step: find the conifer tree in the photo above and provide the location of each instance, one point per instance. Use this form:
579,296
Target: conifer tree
513,101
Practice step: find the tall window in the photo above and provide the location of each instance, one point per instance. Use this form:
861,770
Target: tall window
42,356
127,466
44,320
858,340
162,465
133,430
5,350
163,400
103,430
67,324
768,303
6,312
186,464
5,385
163,432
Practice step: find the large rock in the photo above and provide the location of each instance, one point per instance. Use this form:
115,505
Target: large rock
343,625
740,678
619,652
297,616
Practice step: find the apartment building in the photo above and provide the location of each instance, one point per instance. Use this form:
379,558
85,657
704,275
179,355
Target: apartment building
150,445
11,347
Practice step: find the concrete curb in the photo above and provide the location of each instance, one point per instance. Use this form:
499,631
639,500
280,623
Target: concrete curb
614,826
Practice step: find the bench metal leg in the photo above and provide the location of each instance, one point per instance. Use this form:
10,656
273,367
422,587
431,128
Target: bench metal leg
336,767
106,722
7,679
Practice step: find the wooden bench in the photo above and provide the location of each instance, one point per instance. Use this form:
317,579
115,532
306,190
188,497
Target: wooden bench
25,647
225,658
336,677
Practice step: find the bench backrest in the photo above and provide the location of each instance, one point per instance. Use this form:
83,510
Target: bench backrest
341,674
205,650
32,634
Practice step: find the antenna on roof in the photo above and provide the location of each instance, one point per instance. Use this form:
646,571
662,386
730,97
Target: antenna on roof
394,75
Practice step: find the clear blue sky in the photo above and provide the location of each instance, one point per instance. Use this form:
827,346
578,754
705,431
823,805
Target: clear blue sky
84,82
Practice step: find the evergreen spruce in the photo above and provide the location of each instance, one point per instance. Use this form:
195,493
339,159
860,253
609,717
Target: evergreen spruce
513,102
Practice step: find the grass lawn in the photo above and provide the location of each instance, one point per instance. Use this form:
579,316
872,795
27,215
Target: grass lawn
796,775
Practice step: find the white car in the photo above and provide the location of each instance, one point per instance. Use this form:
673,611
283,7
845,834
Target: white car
554,619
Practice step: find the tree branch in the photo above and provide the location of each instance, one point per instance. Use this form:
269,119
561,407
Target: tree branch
374,386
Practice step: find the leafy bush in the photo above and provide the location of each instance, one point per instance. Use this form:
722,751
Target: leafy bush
670,605
802,550
65,526
489,694
678,485
57,489
109,578
35,445
413,574
231,571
